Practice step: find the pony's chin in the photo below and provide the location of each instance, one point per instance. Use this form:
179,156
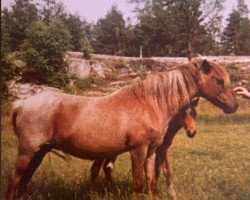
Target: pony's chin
230,110
191,134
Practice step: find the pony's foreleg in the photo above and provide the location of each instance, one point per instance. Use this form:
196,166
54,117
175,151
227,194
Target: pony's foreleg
150,174
138,157
95,169
108,168
168,174
158,162
26,165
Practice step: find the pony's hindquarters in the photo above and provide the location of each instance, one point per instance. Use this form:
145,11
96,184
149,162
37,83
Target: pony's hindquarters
32,145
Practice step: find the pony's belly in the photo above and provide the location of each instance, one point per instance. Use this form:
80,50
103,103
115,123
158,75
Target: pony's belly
92,145
90,154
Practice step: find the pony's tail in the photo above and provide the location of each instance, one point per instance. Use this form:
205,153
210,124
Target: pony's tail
16,107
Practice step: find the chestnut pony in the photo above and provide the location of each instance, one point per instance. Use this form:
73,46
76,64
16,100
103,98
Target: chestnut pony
185,119
134,119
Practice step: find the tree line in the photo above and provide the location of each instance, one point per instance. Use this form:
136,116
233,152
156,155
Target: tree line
163,28
43,30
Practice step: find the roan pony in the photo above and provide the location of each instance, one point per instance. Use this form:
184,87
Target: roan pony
185,119
134,119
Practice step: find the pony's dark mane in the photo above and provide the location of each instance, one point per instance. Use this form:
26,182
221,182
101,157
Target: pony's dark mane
169,89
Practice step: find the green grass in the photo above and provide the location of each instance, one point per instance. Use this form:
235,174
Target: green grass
213,165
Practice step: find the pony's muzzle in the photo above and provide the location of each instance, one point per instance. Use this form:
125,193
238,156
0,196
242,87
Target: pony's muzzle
230,110
191,134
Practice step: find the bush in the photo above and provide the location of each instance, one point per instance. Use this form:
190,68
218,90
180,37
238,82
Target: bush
120,64
234,72
232,66
86,48
85,83
7,72
44,50
70,89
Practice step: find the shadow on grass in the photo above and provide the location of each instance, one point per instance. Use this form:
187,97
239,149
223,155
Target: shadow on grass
58,188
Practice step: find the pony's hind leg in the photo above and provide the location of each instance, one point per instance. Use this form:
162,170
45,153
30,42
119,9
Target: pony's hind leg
21,165
26,165
108,168
95,169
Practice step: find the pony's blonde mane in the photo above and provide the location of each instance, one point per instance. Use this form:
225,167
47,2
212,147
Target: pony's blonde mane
169,89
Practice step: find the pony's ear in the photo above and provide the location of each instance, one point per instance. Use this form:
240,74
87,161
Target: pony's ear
202,65
205,67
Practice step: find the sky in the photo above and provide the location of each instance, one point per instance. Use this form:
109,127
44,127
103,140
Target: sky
92,10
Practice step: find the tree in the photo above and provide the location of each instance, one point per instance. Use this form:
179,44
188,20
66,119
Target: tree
5,36
154,30
131,40
109,33
44,48
7,70
6,74
86,48
244,37
230,35
242,8
50,10
192,18
76,27
23,13
177,23
235,37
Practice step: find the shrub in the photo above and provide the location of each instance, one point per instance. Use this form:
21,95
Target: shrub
232,66
86,48
120,64
234,72
85,83
70,89
235,77
44,50
7,72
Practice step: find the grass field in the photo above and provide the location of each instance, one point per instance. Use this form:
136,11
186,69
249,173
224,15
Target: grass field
215,165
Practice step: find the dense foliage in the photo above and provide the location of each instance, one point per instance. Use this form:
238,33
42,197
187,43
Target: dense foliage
236,37
163,28
43,32
45,46
110,33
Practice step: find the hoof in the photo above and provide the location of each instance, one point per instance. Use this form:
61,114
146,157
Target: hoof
171,193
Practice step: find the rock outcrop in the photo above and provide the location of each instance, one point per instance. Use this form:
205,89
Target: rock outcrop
25,90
